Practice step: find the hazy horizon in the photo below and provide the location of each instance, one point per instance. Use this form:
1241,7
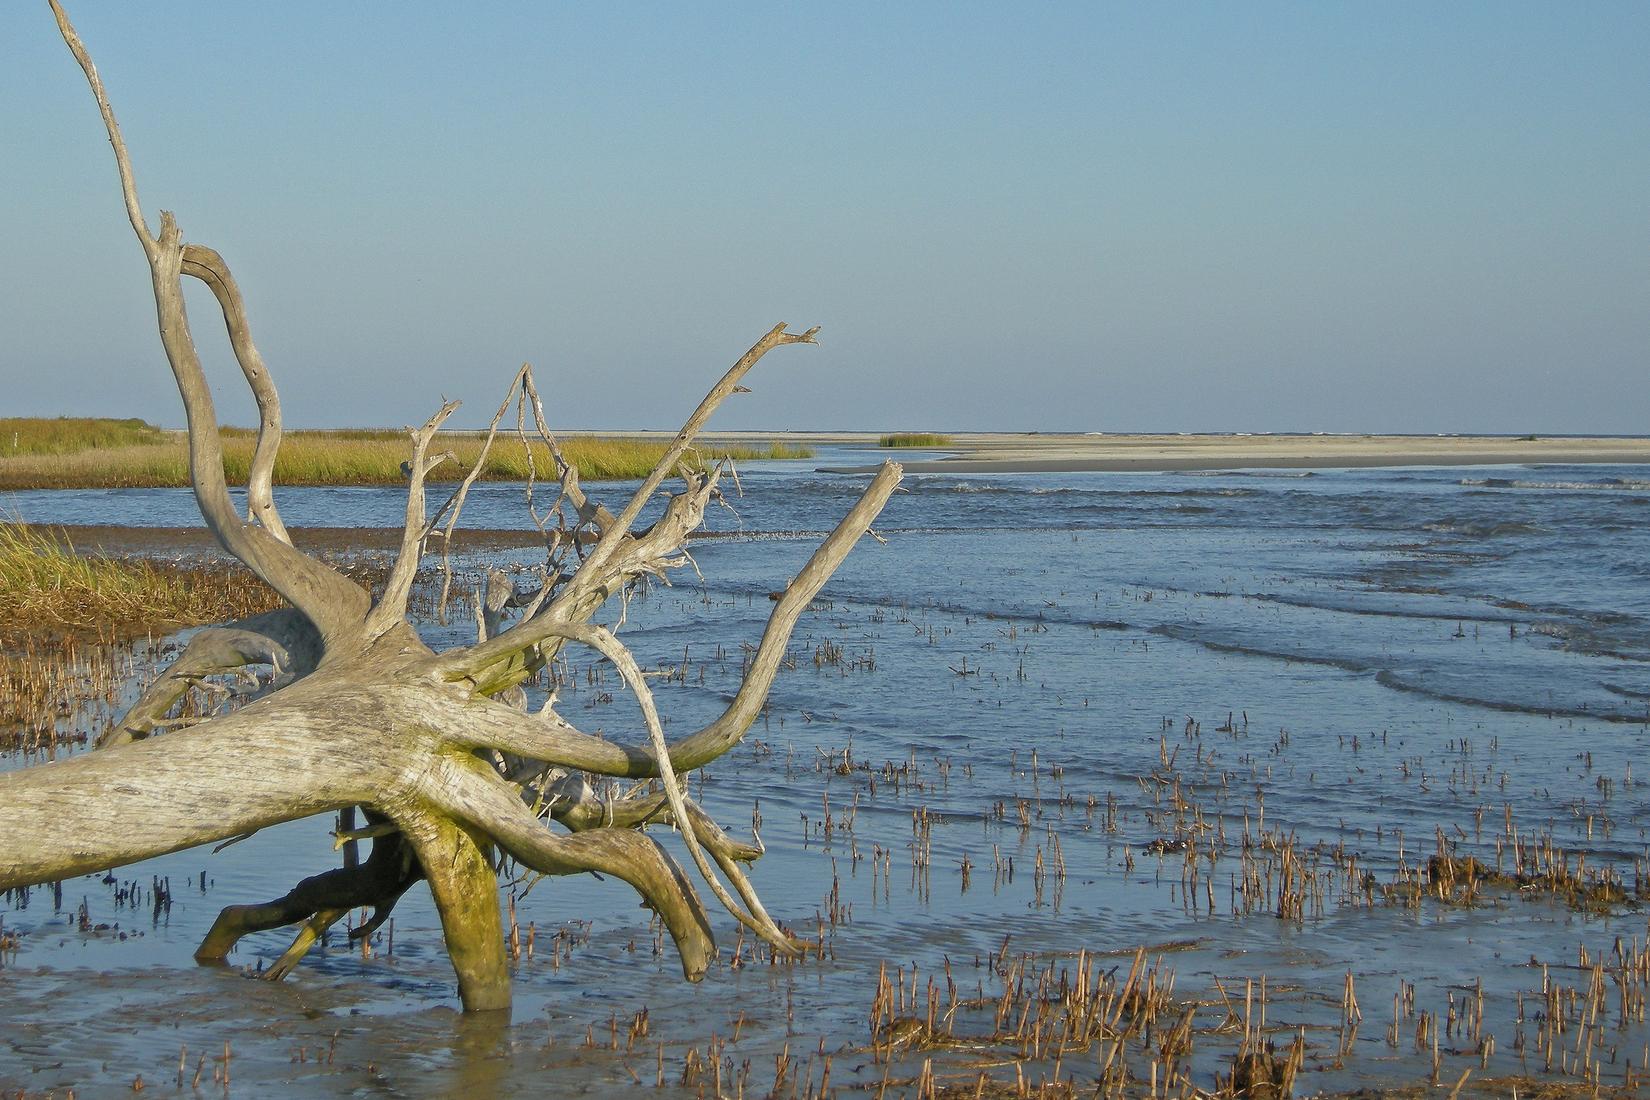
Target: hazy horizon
1267,218
507,430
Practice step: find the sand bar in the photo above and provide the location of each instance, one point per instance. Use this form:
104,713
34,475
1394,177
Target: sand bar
1006,453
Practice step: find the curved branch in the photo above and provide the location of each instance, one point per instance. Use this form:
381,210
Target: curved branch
721,735
128,185
551,739
391,608
379,882
284,639
333,602
608,646
612,536
649,808
636,812
206,265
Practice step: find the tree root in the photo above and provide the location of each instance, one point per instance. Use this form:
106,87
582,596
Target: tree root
377,883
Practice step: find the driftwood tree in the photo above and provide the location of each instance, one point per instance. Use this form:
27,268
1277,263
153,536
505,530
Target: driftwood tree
453,772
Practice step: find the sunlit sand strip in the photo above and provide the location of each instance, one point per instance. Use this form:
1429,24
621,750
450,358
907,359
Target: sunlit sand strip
970,453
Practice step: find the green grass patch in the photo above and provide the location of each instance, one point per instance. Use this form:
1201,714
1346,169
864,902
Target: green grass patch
346,457
915,439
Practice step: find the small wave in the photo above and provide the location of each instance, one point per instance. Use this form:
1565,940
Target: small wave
1291,474
1396,606
1222,642
1627,692
1607,484
1458,690
753,535
983,488
1480,529
1230,492
990,488
1045,615
1563,611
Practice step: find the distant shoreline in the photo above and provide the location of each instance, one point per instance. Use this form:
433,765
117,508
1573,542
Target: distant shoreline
1005,453
1001,452
962,453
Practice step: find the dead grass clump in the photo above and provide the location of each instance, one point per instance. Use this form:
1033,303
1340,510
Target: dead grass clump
1259,1072
1540,868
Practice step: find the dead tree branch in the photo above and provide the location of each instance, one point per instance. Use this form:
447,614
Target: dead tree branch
438,749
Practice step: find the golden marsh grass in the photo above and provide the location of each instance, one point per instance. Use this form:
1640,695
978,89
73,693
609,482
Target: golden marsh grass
62,615
49,591
95,454
39,435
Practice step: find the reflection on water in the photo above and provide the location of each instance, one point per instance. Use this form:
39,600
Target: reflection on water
1155,684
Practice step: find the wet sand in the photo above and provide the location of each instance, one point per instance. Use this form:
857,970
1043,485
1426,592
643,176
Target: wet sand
1037,453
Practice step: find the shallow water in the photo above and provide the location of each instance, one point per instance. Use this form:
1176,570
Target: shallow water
1034,666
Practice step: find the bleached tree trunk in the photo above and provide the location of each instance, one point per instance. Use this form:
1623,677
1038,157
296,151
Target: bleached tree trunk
435,747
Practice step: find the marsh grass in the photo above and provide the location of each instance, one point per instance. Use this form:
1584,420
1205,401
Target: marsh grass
52,697
38,435
346,457
65,616
49,592
915,439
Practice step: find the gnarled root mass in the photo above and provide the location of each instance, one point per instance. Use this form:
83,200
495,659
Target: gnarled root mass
454,774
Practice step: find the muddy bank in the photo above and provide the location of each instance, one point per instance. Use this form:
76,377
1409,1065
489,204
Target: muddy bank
162,542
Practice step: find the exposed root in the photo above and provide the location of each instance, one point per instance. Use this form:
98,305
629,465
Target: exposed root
378,883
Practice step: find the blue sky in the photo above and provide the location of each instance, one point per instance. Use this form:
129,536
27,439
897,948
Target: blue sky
1226,217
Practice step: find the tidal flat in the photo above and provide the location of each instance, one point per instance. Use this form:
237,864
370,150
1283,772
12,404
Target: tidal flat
1084,782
